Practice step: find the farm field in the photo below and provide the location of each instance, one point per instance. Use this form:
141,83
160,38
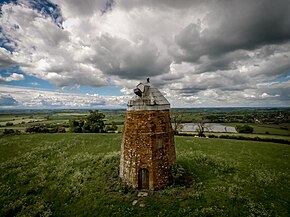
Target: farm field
77,175
21,120
281,129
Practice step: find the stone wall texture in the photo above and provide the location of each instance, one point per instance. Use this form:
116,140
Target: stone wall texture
147,145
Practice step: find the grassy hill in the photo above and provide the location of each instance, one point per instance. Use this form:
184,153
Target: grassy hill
77,175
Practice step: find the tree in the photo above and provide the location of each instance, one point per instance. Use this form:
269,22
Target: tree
76,126
201,126
177,123
93,123
244,129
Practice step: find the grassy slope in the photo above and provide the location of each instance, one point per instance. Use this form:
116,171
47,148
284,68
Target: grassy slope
77,174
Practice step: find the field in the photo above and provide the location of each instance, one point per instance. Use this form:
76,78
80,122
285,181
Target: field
275,121
20,120
77,175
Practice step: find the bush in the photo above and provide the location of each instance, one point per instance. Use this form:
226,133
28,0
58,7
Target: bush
244,129
8,124
180,176
11,132
37,129
112,127
44,129
8,131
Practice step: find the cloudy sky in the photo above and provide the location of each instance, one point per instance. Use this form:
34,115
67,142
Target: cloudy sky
92,53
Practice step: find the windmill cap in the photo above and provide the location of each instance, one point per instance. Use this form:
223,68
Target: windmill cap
147,98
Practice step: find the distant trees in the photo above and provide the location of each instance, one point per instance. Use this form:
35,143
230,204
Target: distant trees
11,131
41,128
244,129
93,123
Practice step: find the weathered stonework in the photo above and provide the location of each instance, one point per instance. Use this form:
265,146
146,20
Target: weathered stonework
148,150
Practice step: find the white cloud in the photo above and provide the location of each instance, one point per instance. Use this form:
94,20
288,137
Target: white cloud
36,98
44,50
5,58
34,83
12,77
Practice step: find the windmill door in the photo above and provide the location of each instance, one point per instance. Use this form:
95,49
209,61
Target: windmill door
143,179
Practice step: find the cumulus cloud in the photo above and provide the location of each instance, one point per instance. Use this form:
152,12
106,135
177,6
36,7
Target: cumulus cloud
37,98
12,77
44,50
5,58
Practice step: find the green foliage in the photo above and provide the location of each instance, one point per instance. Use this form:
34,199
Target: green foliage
37,129
181,176
93,123
76,126
41,128
244,129
112,127
8,124
11,132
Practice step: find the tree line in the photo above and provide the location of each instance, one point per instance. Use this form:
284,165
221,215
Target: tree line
93,123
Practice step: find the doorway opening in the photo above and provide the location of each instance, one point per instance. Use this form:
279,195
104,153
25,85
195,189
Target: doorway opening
143,179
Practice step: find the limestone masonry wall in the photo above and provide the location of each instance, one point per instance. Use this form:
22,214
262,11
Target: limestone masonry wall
148,144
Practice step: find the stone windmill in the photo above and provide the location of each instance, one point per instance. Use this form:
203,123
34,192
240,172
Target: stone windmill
147,150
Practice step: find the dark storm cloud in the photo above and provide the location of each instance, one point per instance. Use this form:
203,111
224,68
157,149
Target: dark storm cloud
116,56
225,61
234,25
108,6
7,101
84,8
163,4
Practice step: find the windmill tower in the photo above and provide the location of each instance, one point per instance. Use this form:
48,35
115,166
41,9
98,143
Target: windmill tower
147,150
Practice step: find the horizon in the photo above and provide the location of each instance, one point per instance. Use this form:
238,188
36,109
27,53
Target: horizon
62,54
174,108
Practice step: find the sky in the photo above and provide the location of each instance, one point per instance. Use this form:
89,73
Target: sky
93,53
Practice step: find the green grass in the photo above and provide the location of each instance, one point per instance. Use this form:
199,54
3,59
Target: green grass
77,175
252,135
270,130
262,129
